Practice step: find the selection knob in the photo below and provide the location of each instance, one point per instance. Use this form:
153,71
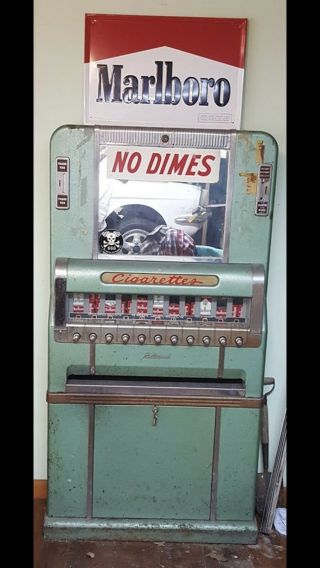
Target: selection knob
92,337
206,340
125,337
239,341
190,340
223,340
174,339
108,337
157,339
141,338
76,336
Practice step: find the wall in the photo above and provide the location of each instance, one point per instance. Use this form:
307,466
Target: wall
58,66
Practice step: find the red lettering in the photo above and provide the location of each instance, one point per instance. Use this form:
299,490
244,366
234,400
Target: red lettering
120,161
117,278
132,168
177,166
154,163
166,159
193,163
195,281
208,168
173,279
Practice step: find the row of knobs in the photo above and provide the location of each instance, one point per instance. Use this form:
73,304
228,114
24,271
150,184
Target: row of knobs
206,340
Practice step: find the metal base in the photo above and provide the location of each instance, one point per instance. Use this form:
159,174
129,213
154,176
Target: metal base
228,532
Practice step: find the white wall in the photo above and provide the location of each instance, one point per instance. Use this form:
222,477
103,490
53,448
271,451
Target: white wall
58,58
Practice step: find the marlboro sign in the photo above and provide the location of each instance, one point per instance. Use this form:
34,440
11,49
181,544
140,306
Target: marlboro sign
160,71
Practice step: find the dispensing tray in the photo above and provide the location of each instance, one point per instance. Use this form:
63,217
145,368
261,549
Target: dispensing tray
122,385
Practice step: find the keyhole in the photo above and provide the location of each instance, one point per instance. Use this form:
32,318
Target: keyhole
155,411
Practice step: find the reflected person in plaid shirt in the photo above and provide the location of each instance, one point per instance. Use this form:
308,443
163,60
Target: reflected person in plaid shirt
167,241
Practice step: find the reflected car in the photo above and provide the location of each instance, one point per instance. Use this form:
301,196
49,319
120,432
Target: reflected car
136,208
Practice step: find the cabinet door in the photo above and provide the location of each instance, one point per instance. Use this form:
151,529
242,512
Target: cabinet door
238,461
143,470
67,460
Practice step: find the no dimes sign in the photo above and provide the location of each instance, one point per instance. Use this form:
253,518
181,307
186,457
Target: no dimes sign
171,164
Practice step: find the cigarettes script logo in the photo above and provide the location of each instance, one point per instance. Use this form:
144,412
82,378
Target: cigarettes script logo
159,279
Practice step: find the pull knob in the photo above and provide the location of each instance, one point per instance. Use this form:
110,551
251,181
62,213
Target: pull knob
92,337
108,337
76,337
206,340
190,340
174,339
157,339
223,340
125,337
239,341
141,338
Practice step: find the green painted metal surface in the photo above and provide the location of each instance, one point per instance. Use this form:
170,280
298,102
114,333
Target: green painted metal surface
146,471
172,531
234,279
251,362
151,361
238,460
156,361
73,228
61,356
67,460
250,235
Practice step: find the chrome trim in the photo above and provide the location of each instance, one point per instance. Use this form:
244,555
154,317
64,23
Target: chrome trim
91,410
149,257
258,299
60,292
61,268
116,399
215,464
153,137
134,328
229,193
98,385
95,189
92,358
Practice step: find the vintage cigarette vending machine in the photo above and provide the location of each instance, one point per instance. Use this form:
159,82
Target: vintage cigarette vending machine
157,335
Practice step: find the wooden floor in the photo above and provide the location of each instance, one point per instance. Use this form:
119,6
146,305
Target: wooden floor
269,552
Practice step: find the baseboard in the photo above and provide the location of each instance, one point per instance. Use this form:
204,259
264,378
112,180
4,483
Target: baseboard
282,501
39,488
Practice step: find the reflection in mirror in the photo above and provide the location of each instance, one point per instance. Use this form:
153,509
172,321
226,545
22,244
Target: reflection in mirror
163,218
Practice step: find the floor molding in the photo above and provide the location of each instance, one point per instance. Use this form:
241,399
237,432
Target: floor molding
282,502
39,488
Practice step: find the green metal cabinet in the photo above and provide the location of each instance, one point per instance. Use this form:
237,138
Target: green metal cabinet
137,448
156,471
150,472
